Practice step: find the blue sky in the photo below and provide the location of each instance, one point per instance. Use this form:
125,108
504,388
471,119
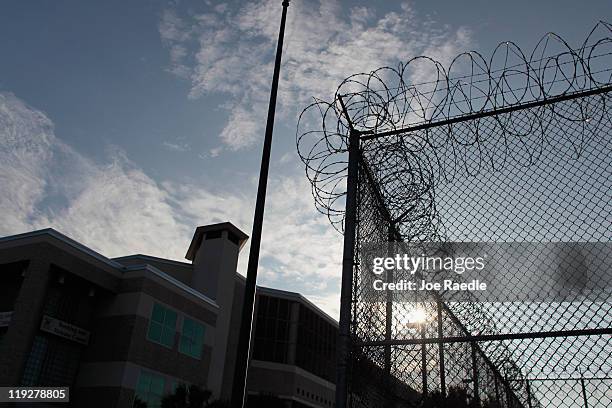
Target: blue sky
126,124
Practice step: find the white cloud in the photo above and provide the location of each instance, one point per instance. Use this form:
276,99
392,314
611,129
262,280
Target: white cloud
22,186
242,127
214,152
287,158
174,33
324,45
329,302
117,209
176,146
113,207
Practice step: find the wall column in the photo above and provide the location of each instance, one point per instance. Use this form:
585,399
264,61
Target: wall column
25,322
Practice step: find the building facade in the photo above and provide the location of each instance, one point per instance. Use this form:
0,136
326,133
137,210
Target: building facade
115,330
294,348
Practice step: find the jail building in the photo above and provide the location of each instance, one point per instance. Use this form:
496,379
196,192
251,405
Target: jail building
115,330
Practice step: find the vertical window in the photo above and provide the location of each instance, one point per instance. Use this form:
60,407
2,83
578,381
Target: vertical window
150,389
192,338
272,329
35,361
162,325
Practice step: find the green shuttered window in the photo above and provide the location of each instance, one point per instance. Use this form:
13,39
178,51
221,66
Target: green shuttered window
150,389
162,325
192,338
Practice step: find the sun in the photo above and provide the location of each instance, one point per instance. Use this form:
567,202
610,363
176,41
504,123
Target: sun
418,316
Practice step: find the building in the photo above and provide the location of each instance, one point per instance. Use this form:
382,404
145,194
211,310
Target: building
294,350
114,329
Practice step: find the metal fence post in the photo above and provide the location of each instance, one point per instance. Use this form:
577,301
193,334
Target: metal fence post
497,399
348,259
441,350
584,395
475,374
528,394
389,321
424,360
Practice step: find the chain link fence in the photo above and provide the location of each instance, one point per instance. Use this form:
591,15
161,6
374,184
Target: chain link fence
514,148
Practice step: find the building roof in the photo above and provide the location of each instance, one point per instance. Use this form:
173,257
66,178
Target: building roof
152,258
115,263
59,240
52,233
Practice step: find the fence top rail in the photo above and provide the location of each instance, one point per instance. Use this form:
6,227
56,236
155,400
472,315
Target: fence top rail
369,135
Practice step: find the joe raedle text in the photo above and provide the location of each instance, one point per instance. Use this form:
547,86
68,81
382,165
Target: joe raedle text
423,285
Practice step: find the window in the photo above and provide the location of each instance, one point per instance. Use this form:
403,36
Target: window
192,338
51,361
272,329
35,361
316,344
150,389
162,325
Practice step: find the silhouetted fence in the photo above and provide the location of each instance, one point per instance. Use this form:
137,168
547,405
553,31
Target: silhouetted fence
515,148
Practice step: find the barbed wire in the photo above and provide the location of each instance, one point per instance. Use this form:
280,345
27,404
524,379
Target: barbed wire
408,164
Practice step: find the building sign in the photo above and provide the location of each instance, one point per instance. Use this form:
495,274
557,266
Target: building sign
66,330
5,318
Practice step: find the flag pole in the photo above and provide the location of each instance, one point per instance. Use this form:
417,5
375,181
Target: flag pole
239,390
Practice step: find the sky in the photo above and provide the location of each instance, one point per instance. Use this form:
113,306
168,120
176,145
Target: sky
125,125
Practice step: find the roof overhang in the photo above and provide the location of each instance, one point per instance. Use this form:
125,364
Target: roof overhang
222,226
